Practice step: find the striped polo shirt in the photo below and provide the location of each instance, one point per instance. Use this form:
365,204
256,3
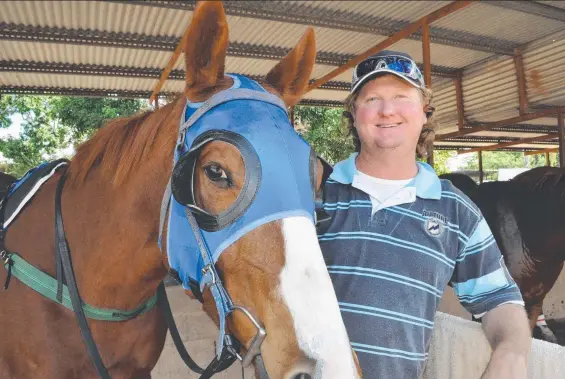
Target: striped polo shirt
389,265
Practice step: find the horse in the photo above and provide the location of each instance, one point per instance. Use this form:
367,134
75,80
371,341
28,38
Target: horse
526,216
109,201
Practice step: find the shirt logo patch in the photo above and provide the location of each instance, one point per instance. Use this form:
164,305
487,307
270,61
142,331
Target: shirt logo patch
434,227
434,224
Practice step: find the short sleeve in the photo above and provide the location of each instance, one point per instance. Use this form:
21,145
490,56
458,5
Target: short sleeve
481,279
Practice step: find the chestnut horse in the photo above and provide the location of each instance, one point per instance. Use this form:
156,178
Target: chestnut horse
527,218
111,206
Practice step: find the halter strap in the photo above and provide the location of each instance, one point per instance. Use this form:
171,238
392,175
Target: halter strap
210,276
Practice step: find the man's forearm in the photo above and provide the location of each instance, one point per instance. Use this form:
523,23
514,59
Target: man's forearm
507,330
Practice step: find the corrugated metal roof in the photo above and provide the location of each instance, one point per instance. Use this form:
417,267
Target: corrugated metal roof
54,52
97,15
446,107
76,81
489,80
504,24
543,67
491,91
395,10
441,55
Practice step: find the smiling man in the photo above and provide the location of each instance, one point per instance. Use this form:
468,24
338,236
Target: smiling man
398,234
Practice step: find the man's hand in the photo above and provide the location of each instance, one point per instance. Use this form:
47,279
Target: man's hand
507,330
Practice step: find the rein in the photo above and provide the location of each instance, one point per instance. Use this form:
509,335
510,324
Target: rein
68,295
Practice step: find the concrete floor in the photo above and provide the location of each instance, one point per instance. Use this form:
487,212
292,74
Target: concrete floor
199,332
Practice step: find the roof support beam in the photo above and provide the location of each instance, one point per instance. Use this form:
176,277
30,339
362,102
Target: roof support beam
512,143
427,54
100,70
113,93
33,33
408,30
544,151
532,7
172,61
520,76
491,125
337,19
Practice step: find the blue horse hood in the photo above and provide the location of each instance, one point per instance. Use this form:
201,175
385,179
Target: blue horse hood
279,164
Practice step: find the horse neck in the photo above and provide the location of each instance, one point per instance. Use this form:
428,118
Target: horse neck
113,230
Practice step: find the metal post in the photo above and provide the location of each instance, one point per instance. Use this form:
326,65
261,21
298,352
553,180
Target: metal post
547,163
480,167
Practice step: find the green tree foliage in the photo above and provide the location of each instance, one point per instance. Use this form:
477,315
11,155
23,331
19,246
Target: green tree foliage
538,160
84,115
51,124
323,130
441,158
493,160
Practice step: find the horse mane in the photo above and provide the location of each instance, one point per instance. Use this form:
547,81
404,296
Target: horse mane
122,144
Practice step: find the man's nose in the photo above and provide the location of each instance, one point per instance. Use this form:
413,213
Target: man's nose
386,108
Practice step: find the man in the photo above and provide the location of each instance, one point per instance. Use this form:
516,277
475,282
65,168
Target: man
398,234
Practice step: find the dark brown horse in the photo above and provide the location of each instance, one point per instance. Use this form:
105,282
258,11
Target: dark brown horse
111,205
527,218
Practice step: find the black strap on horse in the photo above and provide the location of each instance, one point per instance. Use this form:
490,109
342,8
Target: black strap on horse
65,272
229,353
63,256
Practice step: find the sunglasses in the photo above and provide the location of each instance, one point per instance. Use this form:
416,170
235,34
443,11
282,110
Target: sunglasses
401,65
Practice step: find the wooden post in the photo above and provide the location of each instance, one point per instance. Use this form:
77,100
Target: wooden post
480,167
409,29
550,112
426,54
427,73
522,95
561,130
547,163
459,99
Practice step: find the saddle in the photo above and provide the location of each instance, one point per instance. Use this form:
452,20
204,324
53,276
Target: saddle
18,194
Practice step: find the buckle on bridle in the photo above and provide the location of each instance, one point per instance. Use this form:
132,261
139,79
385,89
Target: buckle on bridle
4,256
255,347
208,269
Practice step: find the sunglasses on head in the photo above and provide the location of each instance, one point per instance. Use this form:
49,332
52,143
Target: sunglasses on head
401,65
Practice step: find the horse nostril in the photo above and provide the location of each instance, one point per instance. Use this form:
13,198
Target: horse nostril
302,376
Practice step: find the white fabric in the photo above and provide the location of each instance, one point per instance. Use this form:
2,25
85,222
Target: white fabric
384,192
460,350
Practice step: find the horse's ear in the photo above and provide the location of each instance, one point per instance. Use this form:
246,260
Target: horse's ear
291,75
206,46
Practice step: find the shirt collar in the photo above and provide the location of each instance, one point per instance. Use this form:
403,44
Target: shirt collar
427,183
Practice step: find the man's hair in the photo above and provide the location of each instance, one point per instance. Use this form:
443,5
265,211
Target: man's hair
427,135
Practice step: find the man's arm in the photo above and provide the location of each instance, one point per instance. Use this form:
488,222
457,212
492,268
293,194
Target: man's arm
507,330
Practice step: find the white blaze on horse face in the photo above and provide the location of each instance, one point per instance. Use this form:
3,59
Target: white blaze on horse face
308,293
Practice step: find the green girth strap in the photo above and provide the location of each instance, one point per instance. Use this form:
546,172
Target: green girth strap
47,286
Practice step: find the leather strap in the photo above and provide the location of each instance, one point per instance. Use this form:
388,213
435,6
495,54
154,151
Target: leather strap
62,250
163,302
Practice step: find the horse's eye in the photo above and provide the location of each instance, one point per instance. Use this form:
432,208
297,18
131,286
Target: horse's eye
217,174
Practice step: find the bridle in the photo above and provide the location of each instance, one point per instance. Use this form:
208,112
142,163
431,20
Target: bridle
211,234
256,123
